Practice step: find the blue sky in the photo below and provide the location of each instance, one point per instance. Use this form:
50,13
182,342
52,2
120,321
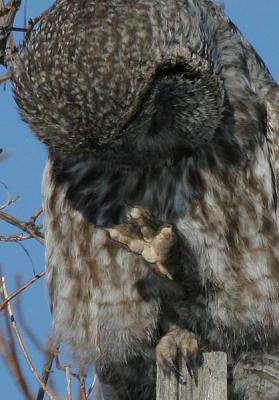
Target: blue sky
22,168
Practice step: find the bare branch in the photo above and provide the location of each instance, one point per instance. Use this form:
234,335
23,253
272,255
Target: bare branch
92,386
15,238
6,9
10,200
22,345
82,389
27,227
9,353
34,21
69,381
63,369
20,289
24,324
47,369
7,16
35,216
28,255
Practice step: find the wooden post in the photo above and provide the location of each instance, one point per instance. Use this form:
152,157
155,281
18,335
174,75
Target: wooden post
212,381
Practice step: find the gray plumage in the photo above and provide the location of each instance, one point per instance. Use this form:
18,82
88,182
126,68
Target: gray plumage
176,85
87,75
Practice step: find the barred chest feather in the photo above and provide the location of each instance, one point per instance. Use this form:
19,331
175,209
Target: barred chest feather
232,230
96,306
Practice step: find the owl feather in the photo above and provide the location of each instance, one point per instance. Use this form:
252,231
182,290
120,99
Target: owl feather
160,190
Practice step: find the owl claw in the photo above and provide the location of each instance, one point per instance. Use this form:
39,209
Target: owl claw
178,341
192,367
146,236
171,367
164,271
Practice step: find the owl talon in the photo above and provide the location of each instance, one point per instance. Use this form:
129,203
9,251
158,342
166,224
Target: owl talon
178,341
192,367
171,367
146,236
188,364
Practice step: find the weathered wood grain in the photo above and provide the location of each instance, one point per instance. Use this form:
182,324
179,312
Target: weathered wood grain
212,381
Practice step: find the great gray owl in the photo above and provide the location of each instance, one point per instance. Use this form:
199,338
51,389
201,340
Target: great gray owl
160,191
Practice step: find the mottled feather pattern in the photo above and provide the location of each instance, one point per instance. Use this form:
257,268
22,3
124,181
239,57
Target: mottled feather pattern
94,107
161,105
100,310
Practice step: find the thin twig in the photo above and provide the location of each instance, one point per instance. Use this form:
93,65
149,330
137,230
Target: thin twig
82,389
93,384
10,200
22,345
15,238
47,370
26,227
6,9
9,353
63,369
14,368
28,255
35,216
7,44
24,324
69,381
67,370
34,21
20,289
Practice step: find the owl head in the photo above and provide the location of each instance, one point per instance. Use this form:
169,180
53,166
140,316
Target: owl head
100,74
